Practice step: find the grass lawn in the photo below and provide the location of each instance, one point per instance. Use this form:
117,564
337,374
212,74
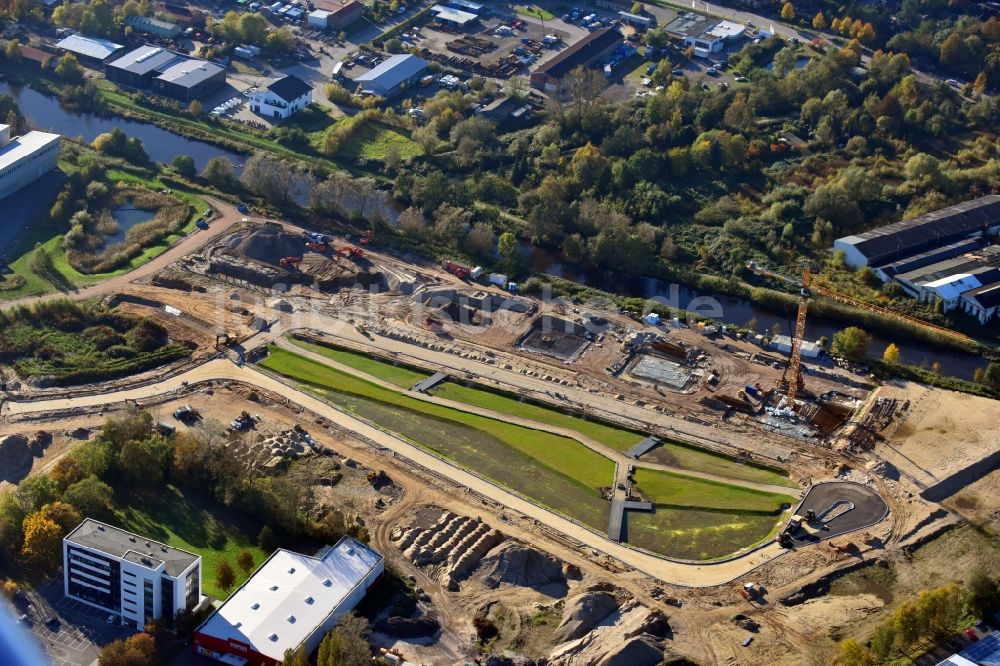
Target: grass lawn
693,534
697,519
535,11
617,438
401,377
195,524
667,488
50,237
372,142
556,471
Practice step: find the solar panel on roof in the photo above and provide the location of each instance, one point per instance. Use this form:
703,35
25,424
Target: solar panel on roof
986,652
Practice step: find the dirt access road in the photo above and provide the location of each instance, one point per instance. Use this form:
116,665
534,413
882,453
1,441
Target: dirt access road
677,573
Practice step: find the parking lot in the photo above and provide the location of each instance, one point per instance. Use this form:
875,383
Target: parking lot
866,509
71,633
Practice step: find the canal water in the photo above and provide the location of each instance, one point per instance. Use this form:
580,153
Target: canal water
739,311
46,113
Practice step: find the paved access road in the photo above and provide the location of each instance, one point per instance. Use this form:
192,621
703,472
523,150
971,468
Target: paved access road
678,573
869,509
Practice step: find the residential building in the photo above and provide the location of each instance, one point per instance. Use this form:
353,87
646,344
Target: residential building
390,77
704,34
936,229
584,53
282,98
342,14
191,79
128,575
138,68
153,26
290,602
91,51
25,159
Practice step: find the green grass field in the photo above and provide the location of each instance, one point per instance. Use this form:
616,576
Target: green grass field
698,534
556,471
51,238
697,519
372,142
400,376
617,438
534,11
197,525
667,488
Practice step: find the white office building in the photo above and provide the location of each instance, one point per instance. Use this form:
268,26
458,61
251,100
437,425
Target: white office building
128,575
25,159
282,98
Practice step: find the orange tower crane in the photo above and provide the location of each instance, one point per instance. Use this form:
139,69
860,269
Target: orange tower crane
791,380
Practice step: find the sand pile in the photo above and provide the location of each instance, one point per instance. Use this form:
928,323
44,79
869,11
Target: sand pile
516,564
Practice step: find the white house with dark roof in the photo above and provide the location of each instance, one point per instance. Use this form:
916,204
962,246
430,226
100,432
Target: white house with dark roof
282,98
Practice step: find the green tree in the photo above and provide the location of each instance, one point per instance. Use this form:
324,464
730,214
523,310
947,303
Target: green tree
983,593
219,172
68,68
346,644
853,653
13,51
819,21
266,539
787,11
91,496
851,342
184,164
224,575
509,251
891,353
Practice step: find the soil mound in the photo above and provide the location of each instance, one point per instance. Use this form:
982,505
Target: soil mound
402,627
516,564
634,652
15,458
267,244
582,614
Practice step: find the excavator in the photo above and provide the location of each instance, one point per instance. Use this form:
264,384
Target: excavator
319,247
351,252
791,380
288,262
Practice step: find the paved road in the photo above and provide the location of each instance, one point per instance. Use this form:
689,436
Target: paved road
869,508
614,454
678,573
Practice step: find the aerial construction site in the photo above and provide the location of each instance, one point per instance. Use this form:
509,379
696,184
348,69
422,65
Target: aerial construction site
593,486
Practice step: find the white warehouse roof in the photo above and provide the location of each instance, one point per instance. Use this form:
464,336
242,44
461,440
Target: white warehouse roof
91,47
393,71
24,146
954,286
290,596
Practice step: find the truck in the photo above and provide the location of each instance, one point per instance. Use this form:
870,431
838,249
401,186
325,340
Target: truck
243,208
186,413
458,270
476,272
201,223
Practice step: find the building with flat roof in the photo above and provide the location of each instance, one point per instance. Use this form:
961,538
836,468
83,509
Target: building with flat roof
282,98
584,53
25,159
704,34
920,234
91,50
291,601
456,18
466,6
391,76
138,68
190,79
984,652
342,14
128,575
153,26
